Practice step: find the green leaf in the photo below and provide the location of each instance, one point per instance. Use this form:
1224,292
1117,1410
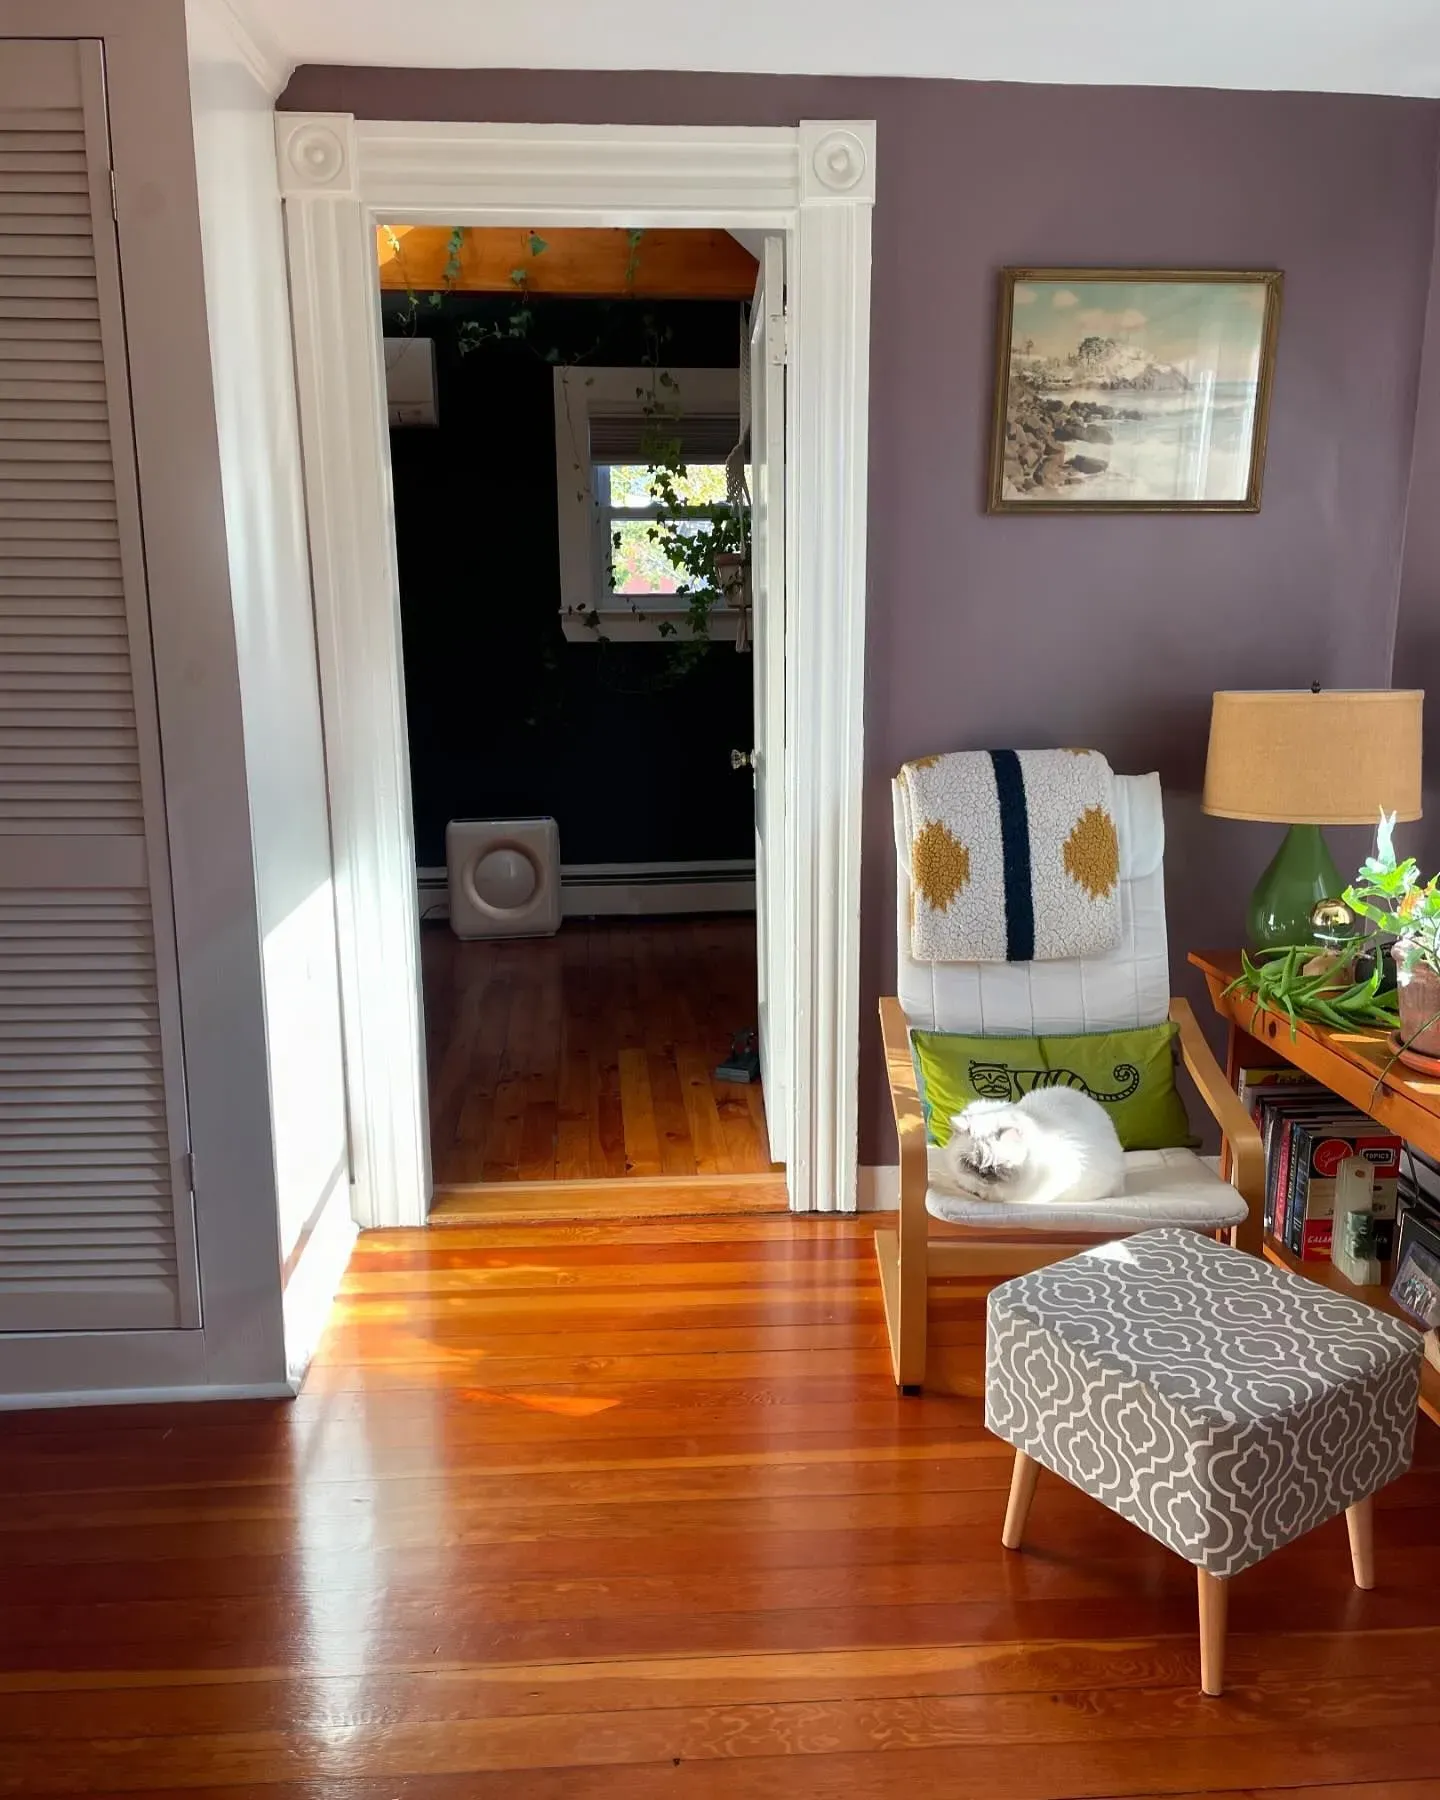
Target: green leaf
519,277
537,244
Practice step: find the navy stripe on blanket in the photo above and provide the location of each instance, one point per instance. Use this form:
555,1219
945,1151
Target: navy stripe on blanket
1015,848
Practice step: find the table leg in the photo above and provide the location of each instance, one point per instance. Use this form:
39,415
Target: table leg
1022,1491
1360,1522
1214,1594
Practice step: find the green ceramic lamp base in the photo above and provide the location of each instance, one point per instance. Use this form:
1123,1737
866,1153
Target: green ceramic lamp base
1302,872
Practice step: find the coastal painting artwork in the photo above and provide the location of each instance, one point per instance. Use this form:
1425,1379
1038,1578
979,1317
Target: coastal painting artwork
1132,390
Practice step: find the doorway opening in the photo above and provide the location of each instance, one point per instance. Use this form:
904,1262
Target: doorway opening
806,191
571,457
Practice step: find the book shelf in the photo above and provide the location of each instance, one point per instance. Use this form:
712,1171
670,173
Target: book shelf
1352,1064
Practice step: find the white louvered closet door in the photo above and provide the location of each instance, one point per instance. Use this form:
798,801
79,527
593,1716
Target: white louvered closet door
96,1221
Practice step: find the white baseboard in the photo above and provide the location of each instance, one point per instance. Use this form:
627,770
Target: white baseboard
627,890
646,899
149,1396
877,1187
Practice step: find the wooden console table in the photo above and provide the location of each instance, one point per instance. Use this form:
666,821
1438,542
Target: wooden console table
1350,1064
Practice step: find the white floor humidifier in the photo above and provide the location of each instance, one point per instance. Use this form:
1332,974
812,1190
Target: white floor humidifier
504,877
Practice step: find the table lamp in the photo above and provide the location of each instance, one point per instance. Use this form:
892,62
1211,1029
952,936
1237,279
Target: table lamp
1309,757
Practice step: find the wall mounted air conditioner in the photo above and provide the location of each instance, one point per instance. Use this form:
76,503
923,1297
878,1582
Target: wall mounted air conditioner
410,381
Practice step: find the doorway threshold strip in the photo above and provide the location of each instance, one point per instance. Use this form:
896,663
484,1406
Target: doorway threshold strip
643,1197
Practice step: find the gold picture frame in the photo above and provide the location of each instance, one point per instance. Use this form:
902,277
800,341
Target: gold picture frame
1132,390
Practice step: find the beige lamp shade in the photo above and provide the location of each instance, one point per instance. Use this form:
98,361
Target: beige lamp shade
1338,757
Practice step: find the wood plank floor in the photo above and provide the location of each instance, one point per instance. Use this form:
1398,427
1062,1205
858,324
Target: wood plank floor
633,1511
590,1055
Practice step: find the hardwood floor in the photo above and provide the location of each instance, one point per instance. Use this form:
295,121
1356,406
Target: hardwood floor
589,1055
633,1511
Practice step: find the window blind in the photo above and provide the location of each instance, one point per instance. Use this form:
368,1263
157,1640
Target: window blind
623,437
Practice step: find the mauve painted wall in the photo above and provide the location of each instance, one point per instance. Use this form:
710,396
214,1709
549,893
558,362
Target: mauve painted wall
1107,632
1417,637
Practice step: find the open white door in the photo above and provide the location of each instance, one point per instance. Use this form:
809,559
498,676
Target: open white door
767,491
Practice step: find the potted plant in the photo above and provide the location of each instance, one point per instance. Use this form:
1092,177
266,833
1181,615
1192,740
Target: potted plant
1402,906
732,571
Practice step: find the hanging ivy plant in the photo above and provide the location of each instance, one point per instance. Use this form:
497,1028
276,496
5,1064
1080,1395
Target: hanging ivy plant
699,541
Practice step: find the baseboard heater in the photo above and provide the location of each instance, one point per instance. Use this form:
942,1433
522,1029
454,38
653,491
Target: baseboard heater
640,890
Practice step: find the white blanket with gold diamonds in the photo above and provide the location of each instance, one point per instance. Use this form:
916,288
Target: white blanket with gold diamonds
1012,855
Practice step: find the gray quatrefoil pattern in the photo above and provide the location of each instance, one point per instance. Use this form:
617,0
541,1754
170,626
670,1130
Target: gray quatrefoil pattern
1220,1404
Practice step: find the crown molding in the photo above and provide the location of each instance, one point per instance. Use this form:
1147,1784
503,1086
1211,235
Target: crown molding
264,59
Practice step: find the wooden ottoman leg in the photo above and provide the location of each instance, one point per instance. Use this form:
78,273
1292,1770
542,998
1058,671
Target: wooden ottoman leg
1360,1521
1022,1491
1214,1593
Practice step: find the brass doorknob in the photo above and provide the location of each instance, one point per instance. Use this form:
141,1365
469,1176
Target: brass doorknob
742,759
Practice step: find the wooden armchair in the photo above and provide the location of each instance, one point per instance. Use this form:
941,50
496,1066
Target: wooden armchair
1128,987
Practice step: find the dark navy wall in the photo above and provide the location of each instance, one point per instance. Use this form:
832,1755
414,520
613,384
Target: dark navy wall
505,716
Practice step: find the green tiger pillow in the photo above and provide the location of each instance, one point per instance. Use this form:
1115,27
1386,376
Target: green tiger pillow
1131,1074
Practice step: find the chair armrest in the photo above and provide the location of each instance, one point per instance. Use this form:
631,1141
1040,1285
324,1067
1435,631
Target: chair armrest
1247,1152
904,1095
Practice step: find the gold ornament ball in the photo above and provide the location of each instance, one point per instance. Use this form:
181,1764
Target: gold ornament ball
1332,919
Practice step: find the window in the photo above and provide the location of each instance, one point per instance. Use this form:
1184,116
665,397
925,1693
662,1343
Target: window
616,580
639,565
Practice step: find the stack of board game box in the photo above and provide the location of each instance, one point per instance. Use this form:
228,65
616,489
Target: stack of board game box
1312,1140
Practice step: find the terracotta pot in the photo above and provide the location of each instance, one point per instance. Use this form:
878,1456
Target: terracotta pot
1419,1001
731,570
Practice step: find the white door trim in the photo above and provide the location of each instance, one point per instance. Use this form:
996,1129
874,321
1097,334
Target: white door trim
339,177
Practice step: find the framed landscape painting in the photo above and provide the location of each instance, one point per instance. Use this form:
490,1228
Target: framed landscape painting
1132,390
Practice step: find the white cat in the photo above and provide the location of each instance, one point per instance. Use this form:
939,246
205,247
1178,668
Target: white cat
1053,1144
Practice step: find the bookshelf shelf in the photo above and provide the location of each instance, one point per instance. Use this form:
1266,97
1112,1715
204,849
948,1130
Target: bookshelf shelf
1357,1066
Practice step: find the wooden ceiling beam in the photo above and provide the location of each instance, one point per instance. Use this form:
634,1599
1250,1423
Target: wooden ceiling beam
661,265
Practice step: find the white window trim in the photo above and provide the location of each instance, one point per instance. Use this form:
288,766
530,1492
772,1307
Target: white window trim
339,178
580,392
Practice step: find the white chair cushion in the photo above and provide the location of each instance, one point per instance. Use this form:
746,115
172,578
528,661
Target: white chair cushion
1126,987
1162,1187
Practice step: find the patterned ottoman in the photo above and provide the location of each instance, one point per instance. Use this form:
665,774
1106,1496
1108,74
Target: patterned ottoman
1222,1405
